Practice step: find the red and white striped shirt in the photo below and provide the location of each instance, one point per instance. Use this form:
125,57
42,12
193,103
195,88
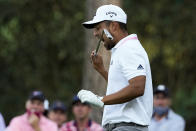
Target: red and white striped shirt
72,126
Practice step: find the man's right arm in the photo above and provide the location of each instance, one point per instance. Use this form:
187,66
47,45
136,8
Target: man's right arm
98,65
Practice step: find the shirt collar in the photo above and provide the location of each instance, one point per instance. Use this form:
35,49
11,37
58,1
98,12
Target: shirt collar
88,125
122,41
132,36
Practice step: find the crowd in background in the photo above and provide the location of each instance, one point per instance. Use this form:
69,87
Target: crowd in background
40,117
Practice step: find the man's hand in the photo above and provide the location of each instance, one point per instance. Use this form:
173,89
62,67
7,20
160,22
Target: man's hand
97,63
34,122
88,96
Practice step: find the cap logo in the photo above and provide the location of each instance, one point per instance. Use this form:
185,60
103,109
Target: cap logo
111,14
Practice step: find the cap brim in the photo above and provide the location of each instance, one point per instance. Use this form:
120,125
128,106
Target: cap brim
90,24
58,108
37,98
75,102
163,92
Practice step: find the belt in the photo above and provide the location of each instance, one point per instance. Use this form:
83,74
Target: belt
114,125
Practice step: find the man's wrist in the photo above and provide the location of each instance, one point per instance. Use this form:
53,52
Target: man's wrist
102,72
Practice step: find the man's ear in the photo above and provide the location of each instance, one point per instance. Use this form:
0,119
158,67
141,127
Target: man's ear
114,26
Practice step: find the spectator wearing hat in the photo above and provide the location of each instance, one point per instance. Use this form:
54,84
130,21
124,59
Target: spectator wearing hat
164,118
82,122
33,120
57,113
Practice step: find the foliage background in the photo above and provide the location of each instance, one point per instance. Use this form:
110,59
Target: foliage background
167,31
42,48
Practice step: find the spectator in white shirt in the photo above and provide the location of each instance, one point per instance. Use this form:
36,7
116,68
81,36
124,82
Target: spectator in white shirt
164,118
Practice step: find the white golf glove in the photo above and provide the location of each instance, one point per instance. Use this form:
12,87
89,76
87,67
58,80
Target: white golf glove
88,96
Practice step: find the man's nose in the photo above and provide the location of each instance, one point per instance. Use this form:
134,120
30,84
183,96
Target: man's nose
160,102
35,107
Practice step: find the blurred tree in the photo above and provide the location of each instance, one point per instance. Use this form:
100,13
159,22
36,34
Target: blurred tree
167,31
41,48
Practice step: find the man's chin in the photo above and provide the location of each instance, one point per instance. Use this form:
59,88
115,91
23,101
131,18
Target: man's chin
107,47
81,118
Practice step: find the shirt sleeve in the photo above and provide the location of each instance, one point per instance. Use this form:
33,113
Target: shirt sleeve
178,126
14,125
132,64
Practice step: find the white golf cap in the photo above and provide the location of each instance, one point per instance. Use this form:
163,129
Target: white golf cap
107,12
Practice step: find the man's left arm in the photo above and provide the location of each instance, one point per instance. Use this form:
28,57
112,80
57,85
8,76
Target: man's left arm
133,90
133,67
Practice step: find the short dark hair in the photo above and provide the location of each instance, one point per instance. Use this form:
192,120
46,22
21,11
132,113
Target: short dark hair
76,100
122,26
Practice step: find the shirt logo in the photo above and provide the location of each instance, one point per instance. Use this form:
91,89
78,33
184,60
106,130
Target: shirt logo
140,67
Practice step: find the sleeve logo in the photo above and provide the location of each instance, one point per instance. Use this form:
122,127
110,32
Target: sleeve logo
140,67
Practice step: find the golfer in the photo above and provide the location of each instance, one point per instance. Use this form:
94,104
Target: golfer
128,102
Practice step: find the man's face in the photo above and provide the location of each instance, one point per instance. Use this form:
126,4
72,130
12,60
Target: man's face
160,100
35,105
57,116
81,111
108,44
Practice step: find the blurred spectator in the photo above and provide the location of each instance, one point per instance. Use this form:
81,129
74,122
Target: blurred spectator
57,113
2,123
33,120
164,118
82,122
